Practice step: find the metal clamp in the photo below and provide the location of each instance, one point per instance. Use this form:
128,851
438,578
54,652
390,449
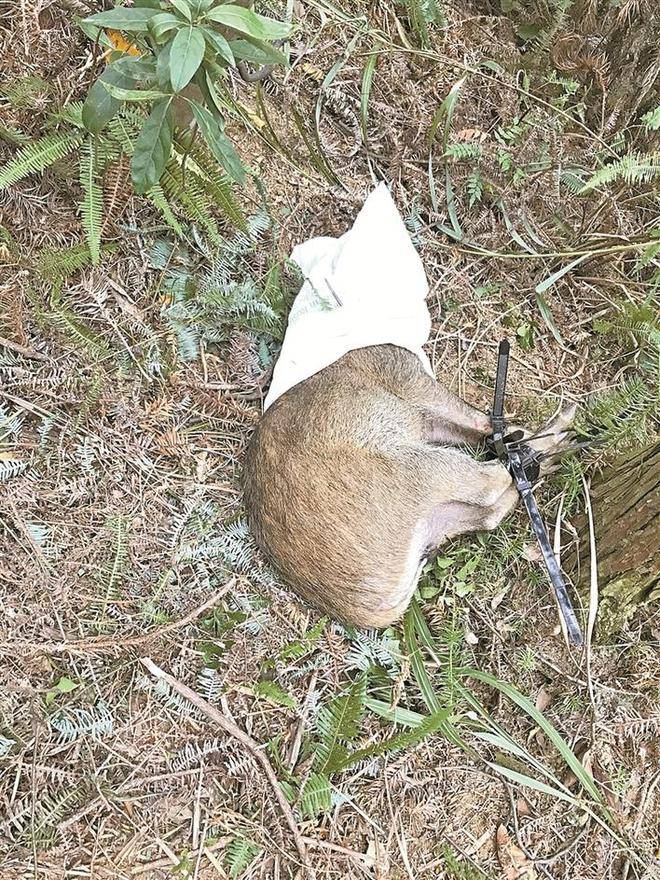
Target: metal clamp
523,463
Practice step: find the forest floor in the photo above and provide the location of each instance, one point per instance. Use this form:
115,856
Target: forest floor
125,407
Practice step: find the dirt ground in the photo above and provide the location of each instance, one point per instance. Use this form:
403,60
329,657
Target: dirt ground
121,530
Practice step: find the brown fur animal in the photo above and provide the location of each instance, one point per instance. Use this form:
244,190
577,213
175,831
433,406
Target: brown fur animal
353,476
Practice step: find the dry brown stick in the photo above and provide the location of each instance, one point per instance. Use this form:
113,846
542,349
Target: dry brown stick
22,349
251,745
103,643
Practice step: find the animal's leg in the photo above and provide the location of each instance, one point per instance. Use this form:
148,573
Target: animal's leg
461,494
446,418
553,436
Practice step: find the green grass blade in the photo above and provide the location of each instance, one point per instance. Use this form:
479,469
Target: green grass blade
365,92
585,779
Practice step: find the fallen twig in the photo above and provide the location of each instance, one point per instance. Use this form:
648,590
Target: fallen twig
22,349
105,643
251,745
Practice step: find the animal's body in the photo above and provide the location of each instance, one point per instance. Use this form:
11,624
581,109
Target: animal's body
356,473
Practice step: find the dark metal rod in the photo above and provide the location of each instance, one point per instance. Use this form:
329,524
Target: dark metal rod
500,379
556,577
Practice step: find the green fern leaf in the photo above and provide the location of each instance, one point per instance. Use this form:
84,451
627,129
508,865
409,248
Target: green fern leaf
58,263
240,852
405,740
651,120
633,168
475,187
422,14
188,191
337,723
91,209
316,796
218,186
39,155
159,200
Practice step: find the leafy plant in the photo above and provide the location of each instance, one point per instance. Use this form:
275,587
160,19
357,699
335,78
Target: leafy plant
181,54
240,852
633,168
423,15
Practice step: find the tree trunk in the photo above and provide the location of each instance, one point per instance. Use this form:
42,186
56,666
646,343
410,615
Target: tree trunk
625,499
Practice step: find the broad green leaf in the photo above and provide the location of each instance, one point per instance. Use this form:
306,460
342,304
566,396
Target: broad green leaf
219,144
405,717
417,664
163,66
256,52
217,100
186,55
247,22
138,95
445,112
218,44
552,279
163,23
184,8
100,106
95,33
124,18
152,147
64,686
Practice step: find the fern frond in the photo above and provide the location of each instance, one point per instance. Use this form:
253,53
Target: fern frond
240,852
209,684
72,724
405,740
337,723
188,192
10,468
59,263
40,829
475,187
159,200
66,321
170,698
633,168
462,152
24,92
422,14
316,796
626,418
193,753
559,10
6,745
91,209
70,114
112,573
573,179
39,155
372,648
651,120
218,186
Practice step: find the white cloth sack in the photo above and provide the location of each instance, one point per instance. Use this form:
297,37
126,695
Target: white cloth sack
366,288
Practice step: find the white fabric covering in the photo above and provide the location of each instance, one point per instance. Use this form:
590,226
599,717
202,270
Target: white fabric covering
367,287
